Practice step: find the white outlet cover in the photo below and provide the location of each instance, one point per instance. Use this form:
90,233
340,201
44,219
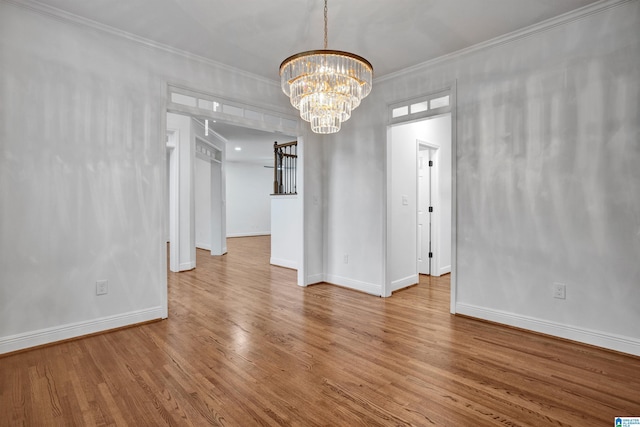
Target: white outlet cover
102,287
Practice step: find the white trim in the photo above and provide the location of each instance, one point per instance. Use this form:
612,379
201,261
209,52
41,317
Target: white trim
453,280
186,266
587,336
369,288
386,217
174,205
205,246
64,16
249,234
435,200
264,111
284,263
301,279
403,283
549,24
415,117
164,284
284,196
444,270
78,329
315,278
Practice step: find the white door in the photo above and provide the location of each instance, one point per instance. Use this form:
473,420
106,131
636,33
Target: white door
424,203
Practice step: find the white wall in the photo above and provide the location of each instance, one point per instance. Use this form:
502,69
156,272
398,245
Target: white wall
285,238
82,173
354,200
311,178
248,199
547,153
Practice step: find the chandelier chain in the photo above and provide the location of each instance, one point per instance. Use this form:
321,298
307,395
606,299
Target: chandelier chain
325,24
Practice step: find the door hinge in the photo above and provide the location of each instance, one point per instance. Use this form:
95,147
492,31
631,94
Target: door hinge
430,254
430,162
430,208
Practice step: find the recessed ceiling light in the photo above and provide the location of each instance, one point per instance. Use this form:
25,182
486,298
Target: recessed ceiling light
238,148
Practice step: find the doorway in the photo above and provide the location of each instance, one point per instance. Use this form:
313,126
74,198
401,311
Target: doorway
187,146
420,215
209,192
201,161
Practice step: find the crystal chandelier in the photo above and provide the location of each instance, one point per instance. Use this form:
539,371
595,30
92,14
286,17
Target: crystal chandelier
326,85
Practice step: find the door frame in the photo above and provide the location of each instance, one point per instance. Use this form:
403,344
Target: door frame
173,135
451,89
198,104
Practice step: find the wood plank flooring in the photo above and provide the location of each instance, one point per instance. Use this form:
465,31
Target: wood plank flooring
245,346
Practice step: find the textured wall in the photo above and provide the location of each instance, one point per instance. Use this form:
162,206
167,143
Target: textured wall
354,186
82,170
548,181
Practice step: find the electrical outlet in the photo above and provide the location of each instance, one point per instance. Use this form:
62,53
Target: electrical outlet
102,287
560,290
346,259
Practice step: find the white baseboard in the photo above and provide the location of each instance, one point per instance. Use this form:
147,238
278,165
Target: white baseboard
186,266
74,330
284,263
369,288
205,246
583,335
250,234
404,282
315,278
445,270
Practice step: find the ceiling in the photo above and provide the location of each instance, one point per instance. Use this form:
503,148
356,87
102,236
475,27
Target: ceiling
256,35
256,146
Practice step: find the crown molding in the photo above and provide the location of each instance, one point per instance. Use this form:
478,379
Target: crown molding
67,17
531,30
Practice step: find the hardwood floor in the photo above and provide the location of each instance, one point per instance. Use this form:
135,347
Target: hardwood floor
244,346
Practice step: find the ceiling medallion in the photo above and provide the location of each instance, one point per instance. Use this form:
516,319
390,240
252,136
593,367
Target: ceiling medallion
326,85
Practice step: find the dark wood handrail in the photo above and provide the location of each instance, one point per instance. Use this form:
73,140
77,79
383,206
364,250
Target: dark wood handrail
285,144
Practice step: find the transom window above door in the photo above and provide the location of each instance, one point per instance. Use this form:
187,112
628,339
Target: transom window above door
417,108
